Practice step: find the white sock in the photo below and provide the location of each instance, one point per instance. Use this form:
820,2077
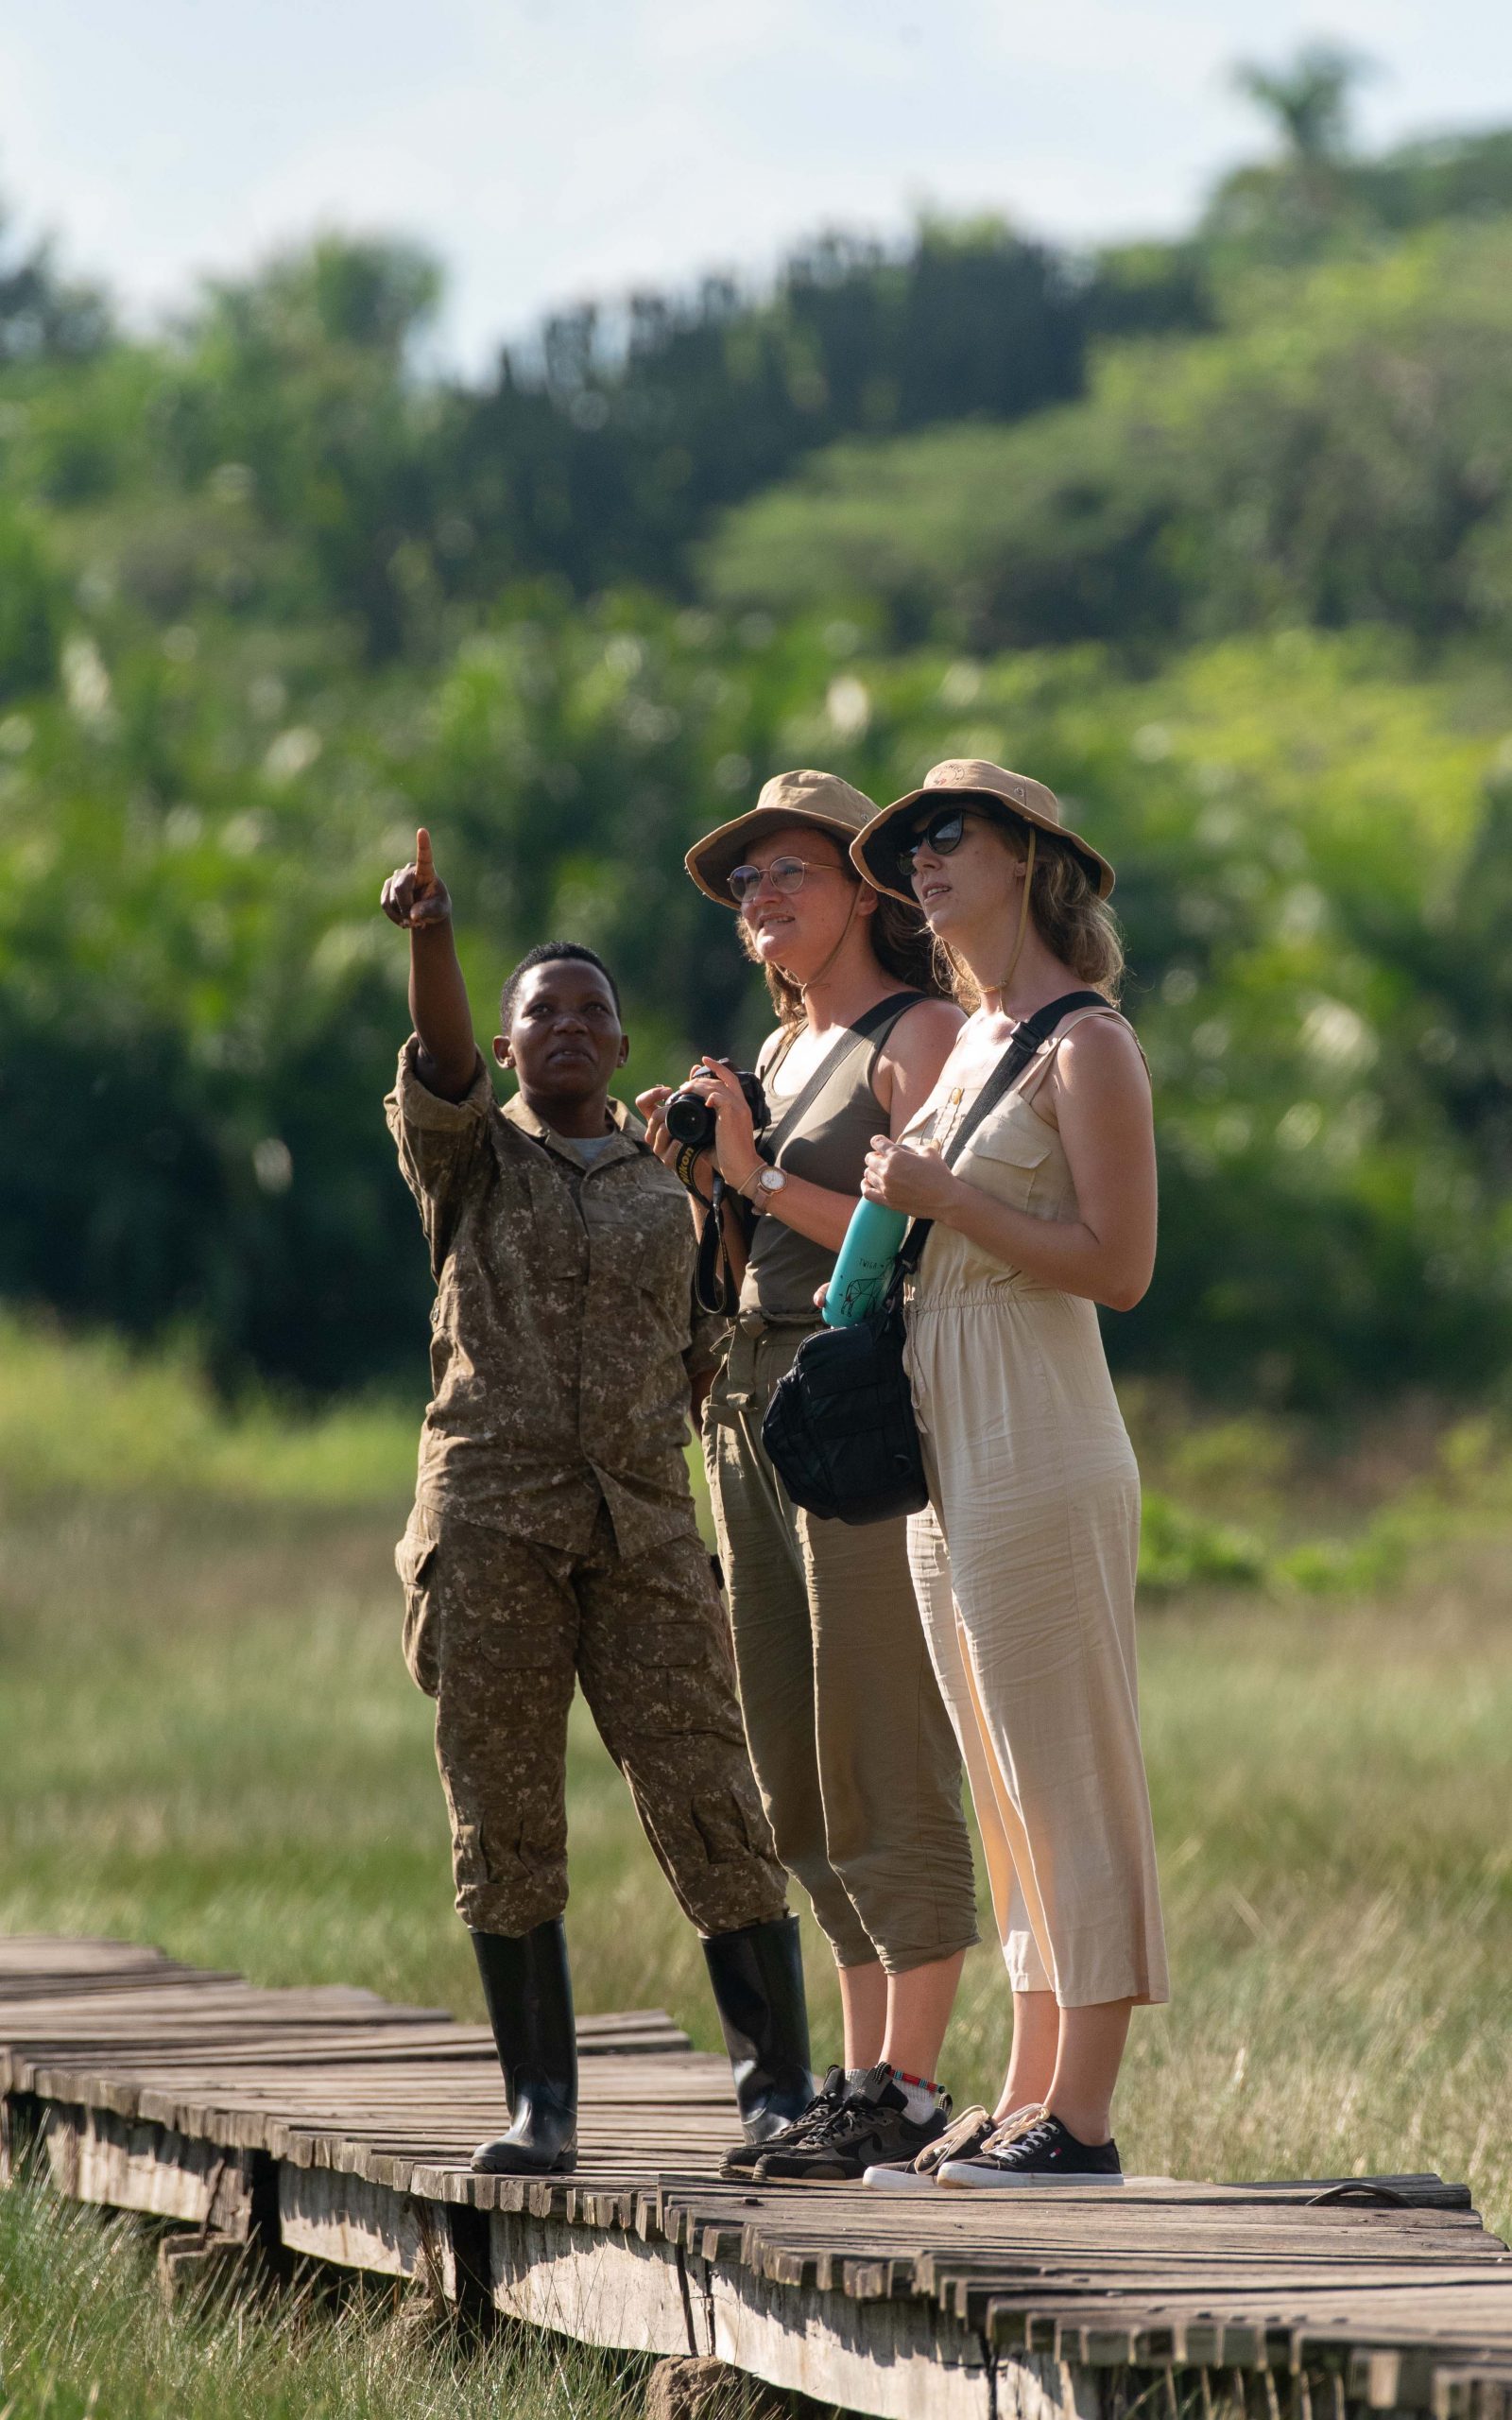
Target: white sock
922,2097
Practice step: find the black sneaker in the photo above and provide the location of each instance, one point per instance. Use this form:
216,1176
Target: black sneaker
740,2163
871,2126
962,2139
1034,2149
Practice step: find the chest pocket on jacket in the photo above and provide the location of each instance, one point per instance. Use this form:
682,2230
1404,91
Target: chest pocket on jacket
658,1245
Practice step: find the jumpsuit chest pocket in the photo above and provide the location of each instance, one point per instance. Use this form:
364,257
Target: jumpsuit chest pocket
1006,1155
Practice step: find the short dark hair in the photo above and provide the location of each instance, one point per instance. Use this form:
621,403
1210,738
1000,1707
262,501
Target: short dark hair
546,953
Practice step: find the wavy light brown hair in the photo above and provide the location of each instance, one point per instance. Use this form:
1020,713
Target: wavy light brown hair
902,943
1070,920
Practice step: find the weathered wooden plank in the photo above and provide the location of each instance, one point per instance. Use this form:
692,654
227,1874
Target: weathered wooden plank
607,2288
95,2157
896,2360
357,2224
1472,2390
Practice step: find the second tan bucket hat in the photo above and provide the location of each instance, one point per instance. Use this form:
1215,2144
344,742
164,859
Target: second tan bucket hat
804,797
874,852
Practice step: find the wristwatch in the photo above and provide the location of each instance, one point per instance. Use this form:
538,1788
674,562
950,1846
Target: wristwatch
768,1181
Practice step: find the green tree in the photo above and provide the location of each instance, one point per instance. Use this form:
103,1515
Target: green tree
1339,454
1295,207
299,383
45,316
1309,99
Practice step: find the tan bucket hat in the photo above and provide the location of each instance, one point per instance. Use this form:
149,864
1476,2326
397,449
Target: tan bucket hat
874,852
806,797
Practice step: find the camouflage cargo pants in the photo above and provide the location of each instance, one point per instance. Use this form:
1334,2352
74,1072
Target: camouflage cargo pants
498,1630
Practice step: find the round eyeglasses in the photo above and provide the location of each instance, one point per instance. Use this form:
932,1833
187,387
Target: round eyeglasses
785,875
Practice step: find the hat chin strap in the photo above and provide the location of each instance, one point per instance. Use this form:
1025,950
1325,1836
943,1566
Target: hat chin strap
805,988
1023,918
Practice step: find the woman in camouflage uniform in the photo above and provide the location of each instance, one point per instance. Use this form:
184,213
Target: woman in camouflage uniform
553,1538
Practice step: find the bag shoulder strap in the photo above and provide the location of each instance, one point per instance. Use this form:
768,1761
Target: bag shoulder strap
714,1285
1026,1041
1045,1057
874,1025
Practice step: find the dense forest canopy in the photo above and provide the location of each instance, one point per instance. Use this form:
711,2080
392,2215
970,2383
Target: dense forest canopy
1214,535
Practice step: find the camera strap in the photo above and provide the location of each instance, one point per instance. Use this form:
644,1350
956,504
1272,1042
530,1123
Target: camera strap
684,1165
714,1284
714,1281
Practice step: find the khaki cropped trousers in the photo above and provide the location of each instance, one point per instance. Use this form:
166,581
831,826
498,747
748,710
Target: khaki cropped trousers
853,1749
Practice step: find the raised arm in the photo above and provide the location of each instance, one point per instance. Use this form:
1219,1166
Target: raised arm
416,899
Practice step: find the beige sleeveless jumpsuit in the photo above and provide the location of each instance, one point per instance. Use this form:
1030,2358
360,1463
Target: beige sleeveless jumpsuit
1025,1568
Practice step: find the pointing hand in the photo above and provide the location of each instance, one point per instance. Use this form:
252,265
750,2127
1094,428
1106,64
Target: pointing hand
414,896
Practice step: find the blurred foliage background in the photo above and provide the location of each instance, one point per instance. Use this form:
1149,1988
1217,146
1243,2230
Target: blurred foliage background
1215,535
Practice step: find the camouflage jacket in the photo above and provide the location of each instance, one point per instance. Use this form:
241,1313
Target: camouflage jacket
564,1333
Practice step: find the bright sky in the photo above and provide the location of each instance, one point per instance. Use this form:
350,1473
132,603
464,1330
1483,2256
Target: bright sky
551,150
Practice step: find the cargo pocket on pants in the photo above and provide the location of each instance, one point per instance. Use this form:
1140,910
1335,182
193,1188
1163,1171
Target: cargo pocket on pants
732,1826
414,1557
677,1675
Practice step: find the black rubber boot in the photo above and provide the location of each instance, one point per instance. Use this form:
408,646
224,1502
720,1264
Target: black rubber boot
757,1976
529,1995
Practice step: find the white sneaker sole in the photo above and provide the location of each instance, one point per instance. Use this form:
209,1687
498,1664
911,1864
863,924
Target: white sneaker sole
899,2180
974,2176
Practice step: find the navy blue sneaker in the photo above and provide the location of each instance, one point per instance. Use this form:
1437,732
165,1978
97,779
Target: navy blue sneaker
1033,2148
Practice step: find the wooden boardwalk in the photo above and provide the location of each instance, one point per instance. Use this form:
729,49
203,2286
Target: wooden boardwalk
328,2123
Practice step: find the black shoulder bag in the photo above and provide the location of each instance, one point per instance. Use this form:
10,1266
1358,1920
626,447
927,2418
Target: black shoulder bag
840,1425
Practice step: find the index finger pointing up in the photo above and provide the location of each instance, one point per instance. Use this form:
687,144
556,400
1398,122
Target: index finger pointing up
425,865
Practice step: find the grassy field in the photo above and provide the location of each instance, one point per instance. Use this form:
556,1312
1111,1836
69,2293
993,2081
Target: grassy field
208,1739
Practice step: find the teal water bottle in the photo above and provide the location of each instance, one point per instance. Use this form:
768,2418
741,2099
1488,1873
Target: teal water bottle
865,1265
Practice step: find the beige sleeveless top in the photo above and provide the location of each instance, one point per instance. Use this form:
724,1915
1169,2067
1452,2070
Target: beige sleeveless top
1014,1154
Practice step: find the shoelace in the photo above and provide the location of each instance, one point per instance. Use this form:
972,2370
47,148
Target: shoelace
818,2113
1015,2129
955,2143
853,2117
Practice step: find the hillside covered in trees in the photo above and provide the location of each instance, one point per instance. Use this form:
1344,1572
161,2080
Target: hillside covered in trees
1215,535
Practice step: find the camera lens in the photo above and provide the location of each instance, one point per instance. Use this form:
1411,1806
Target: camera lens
689,1119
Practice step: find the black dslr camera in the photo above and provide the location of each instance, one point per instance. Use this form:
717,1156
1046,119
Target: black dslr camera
690,1119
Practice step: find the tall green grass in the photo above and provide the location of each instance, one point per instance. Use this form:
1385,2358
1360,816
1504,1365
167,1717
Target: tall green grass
84,2332
86,1413
1232,1504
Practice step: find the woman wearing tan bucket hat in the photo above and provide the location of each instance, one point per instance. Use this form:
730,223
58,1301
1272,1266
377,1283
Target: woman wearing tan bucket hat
852,1745
1024,1563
